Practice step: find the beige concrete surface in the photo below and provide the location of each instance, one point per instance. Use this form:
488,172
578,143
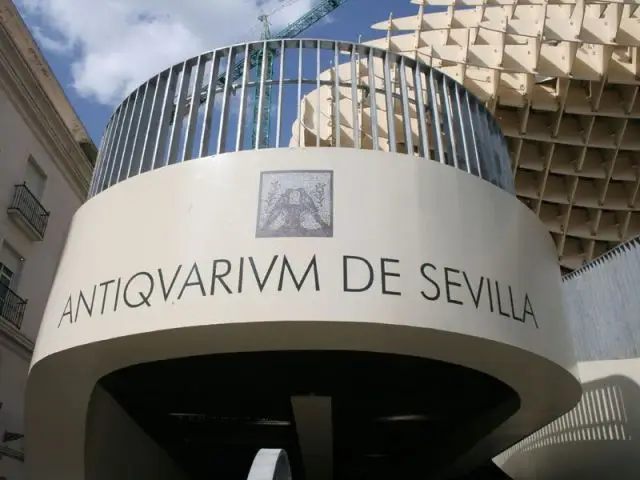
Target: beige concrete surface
130,289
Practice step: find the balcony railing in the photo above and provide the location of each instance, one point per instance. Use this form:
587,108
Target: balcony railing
12,306
27,209
307,93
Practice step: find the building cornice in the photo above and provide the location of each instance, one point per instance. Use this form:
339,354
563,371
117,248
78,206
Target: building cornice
22,69
15,340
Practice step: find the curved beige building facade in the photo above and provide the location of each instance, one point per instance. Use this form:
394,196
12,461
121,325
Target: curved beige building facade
169,294
370,313
562,80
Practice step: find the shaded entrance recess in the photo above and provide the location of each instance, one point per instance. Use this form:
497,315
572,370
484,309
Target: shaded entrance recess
359,415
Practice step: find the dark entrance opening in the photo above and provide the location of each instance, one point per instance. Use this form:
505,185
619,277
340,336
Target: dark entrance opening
392,416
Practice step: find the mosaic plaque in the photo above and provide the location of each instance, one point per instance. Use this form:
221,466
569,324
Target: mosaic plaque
295,203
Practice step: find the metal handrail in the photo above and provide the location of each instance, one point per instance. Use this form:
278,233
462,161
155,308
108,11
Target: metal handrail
12,306
28,205
323,93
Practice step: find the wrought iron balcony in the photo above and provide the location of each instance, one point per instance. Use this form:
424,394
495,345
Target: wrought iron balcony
10,453
28,212
12,306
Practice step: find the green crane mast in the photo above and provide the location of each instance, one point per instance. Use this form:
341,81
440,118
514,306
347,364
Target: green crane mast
296,27
265,121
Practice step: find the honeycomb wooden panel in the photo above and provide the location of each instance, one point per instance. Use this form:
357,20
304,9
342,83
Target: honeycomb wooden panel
561,76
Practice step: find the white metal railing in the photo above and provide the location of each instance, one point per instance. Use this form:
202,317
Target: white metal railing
329,93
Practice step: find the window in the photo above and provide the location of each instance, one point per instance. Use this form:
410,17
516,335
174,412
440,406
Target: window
34,178
5,275
10,266
11,305
26,208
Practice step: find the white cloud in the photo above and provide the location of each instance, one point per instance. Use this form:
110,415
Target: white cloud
114,45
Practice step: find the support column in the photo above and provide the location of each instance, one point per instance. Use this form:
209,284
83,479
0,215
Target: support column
315,435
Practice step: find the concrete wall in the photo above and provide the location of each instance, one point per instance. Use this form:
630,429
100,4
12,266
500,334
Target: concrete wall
600,437
18,141
117,448
13,379
603,305
141,280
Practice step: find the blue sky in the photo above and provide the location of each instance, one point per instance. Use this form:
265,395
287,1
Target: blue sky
97,62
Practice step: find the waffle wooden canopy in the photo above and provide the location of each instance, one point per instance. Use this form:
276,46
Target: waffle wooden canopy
562,79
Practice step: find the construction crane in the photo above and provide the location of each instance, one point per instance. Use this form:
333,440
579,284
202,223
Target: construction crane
296,27
265,114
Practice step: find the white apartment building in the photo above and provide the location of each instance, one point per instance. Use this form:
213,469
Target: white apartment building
46,158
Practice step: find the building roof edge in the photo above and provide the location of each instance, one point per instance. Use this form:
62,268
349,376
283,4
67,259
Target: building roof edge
605,257
14,25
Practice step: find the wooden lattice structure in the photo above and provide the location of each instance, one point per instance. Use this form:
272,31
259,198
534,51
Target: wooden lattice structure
562,79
